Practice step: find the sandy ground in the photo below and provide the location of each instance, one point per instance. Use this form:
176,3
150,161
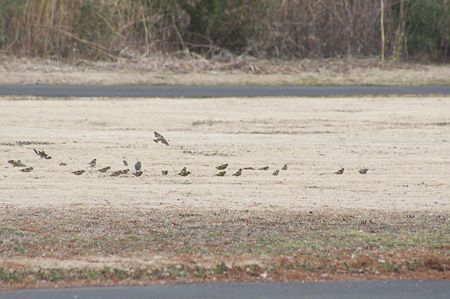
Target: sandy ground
236,71
404,142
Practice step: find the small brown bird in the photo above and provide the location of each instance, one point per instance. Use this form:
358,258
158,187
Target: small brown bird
184,172
238,173
264,168
42,154
16,163
284,167
125,163
78,172
222,173
276,172
363,171
340,171
137,173
222,167
165,172
62,164
160,138
93,163
116,173
138,166
104,169
27,169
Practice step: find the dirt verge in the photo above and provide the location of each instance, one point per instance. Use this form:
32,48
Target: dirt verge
234,71
61,247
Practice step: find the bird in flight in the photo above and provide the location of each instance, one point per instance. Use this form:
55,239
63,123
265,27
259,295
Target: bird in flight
284,167
276,172
160,138
264,168
125,163
41,154
78,172
165,172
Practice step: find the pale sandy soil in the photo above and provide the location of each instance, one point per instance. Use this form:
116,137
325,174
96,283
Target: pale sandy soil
404,142
236,71
58,229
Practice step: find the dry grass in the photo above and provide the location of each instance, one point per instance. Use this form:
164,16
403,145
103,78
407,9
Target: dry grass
267,28
43,247
231,71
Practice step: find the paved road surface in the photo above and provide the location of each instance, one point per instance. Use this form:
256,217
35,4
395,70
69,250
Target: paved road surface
213,91
336,290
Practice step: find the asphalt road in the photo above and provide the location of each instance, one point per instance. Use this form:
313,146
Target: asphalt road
213,91
335,290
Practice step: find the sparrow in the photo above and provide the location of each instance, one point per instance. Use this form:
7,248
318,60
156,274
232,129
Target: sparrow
363,171
184,172
138,166
222,167
275,173
42,154
160,138
78,172
93,163
165,172
105,169
27,169
125,163
116,173
222,173
238,173
284,167
16,163
264,168
340,171
137,173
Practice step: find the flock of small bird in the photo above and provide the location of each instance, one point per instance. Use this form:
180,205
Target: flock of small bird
138,165
361,171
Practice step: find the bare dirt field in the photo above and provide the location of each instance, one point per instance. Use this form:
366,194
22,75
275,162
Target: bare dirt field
196,70
307,222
